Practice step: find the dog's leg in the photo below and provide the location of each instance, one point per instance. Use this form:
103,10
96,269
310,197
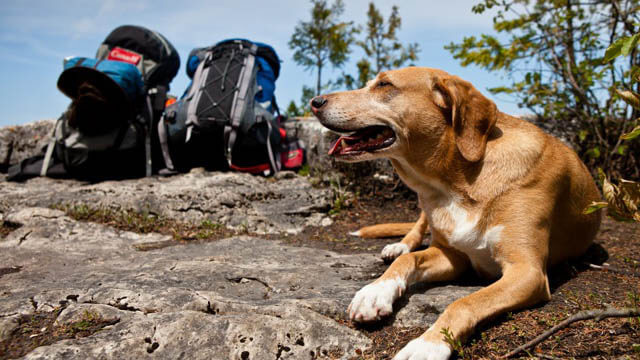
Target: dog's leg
410,242
375,300
521,285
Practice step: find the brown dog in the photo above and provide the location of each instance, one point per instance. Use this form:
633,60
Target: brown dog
499,195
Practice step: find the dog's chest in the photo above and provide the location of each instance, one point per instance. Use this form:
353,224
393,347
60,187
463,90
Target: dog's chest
463,231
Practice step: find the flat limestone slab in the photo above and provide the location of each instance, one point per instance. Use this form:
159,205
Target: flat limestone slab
285,204
237,298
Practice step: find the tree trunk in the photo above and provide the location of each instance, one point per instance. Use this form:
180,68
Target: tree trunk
319,83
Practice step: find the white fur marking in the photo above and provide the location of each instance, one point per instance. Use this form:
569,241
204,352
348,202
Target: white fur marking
465,231
392,251
489,239
467,237
420,349
355,233
375,300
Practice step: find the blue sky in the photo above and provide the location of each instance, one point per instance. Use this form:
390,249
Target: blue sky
36,35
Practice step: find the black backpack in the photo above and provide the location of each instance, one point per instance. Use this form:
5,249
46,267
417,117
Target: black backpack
226,119
158,62
155,57
94,151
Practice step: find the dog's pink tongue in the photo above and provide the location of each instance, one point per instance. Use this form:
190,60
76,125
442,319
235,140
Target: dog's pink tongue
337,146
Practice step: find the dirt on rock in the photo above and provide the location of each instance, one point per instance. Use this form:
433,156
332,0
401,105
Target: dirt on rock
40,329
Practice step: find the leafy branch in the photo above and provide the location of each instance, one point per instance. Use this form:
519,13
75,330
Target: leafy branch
623,200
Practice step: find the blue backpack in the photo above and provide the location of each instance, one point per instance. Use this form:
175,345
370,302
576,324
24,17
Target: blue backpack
227,117
120,82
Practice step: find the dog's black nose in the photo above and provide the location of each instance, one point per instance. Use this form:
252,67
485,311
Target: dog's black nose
318,101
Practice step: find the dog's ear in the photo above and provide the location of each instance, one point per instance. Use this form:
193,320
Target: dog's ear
471,115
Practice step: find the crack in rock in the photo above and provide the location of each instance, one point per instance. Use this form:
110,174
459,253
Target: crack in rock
197,209
246,279
10,270
23,238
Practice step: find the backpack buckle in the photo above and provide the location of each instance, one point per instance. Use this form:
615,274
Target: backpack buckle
228,156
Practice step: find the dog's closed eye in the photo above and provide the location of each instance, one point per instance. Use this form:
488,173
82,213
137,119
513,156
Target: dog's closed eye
383,83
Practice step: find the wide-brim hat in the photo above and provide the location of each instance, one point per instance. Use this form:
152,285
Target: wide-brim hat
70,80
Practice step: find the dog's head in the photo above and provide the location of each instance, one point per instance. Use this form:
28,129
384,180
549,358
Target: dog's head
416,114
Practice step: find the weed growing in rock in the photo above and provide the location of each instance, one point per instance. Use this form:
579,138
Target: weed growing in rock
208,224
455,344
342,198
305,170
40,329
146,222
88,321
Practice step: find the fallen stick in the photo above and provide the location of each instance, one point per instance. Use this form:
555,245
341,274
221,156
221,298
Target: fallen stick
582,315
612,270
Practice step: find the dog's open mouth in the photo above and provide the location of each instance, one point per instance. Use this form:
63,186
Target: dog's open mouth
368,139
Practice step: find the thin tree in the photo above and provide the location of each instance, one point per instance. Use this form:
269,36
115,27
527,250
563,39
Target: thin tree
381,46
322,40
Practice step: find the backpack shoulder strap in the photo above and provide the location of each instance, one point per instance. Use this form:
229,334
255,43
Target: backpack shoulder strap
49,153
240,100
193,96
164,144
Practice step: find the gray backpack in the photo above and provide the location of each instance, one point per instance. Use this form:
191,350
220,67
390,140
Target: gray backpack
220,122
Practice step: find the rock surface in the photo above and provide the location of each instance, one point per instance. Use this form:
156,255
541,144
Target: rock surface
238,298
240,201
22,141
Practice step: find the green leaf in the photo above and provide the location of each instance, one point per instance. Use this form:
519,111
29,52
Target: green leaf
614,50
594,206
635,74
621,149
629,44
583,134
632,134
594,152
501,89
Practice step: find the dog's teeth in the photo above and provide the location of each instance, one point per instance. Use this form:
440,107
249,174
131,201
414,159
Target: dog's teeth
343,144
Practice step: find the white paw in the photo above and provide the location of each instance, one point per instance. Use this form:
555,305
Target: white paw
392,251
375,300
420,349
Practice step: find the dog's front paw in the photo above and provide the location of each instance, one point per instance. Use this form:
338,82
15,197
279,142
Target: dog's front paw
392,251
420,349
375,300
